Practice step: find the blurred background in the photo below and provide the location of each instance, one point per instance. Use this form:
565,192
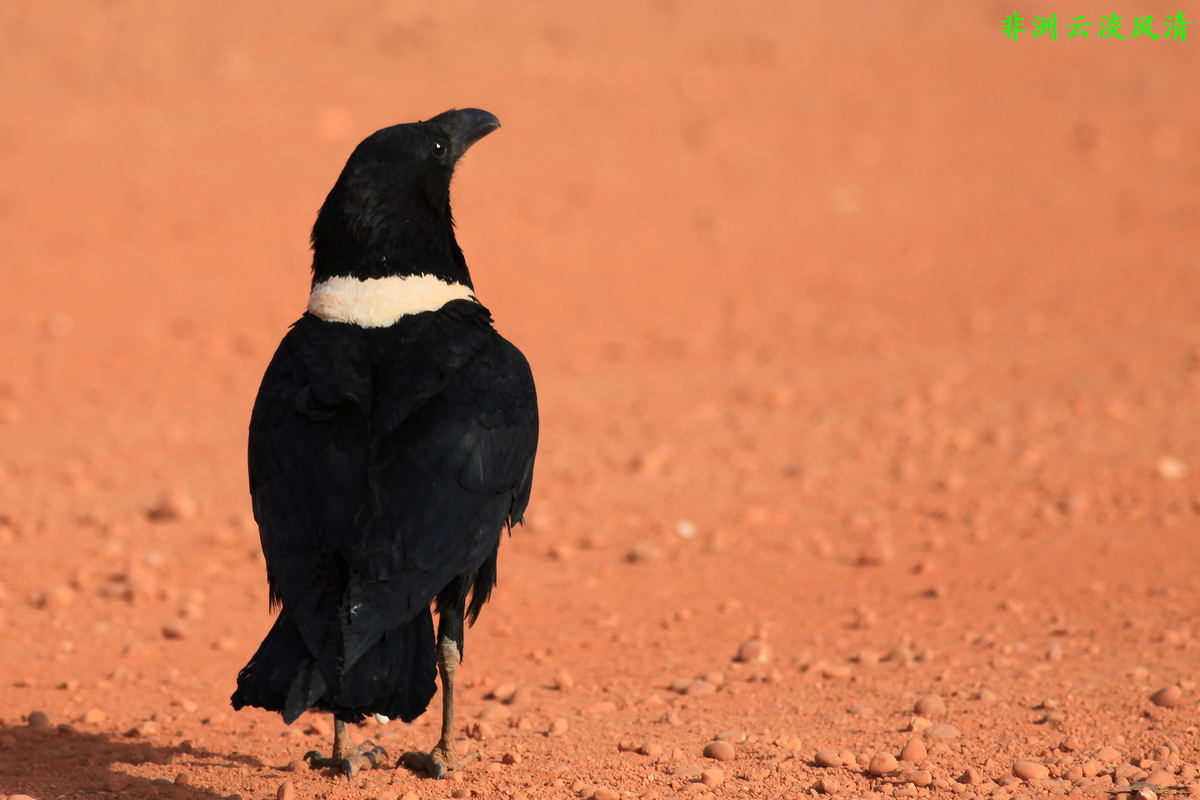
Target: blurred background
844,281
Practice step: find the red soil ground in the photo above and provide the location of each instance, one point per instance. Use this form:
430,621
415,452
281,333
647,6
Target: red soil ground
858,328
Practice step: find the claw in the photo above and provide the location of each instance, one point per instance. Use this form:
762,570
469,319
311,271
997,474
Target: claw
439,770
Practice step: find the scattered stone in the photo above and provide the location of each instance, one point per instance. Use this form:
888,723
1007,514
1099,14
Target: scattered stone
1108,755
860,710
66,730
918,724
700,687
1070,745
297,765
480,730
988,696
602,707
827,758
736,737
462,793
172,632
914,750
115,783
511,757
1167,697
1160,777
39,720
920,777
494,712
605,793
711,777
563,681
942,731
286,791
183,779
175,504
558,727
882,764
651,750
1172,469
719,751
828,785
1028,770
318,727
929,706
847,758
642,552
502,693
972,777
753,651
1092,768
688,771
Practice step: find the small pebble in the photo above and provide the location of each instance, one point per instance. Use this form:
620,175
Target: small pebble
920,777
605,793
736,737
173,505
1028,770
988,696
700,687
39,720
511,757
93,716
183,779
558,727
1160,777
882,764
651,750
847,758
494,712
1108,755
286,791
115,783
563,681
860,710
1167,697
1070,745
828,785
626,746
914,750
931,705
918,724
719,751
461,793
942,731
972,777
297,765
827,758
480,730
688,770
753,651
711,777
318,727
602,707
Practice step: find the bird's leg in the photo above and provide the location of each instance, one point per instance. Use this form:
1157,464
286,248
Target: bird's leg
444,756
347,756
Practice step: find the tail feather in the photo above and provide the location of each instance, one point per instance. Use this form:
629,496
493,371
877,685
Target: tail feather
396,678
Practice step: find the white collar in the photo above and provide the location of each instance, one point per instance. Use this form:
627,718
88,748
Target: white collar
381,302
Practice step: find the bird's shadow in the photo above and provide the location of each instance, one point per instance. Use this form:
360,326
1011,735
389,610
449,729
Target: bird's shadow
64,762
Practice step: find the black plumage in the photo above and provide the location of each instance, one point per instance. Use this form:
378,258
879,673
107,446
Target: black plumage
385,459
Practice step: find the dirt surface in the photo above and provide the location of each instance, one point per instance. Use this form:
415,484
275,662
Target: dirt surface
862,334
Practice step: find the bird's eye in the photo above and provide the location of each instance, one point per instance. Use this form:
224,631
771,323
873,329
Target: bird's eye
440,149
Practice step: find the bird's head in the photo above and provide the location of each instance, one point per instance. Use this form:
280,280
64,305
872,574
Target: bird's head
389,212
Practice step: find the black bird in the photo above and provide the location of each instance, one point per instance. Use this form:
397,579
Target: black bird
391,442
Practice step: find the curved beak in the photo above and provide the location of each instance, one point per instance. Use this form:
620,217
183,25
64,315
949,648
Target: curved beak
465,127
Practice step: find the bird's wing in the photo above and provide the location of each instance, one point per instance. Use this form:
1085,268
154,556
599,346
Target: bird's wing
379,473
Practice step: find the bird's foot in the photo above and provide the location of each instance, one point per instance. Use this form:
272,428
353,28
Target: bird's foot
354,759
437,762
